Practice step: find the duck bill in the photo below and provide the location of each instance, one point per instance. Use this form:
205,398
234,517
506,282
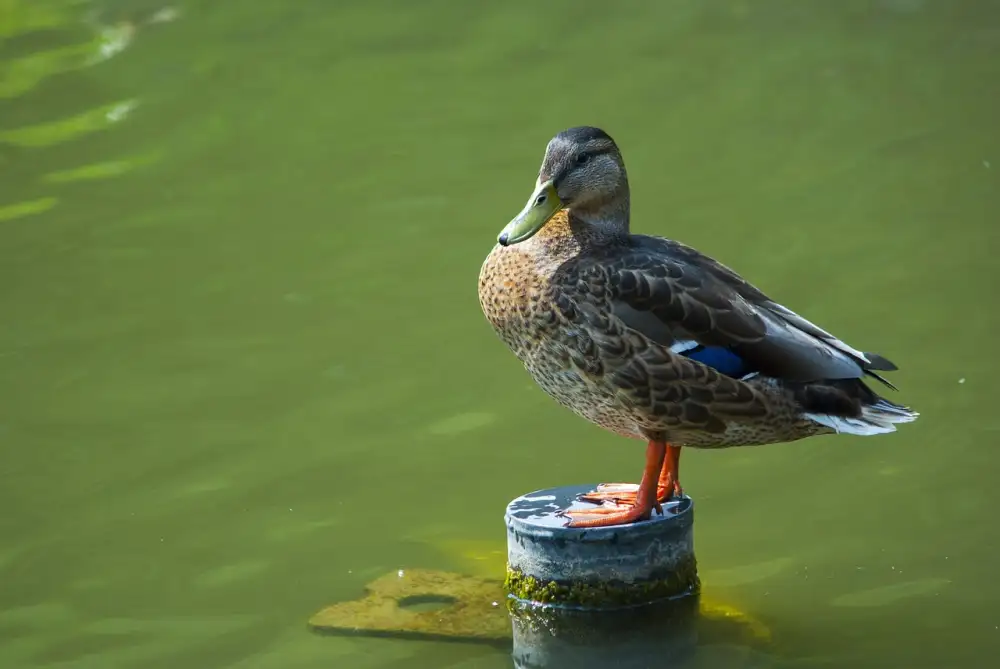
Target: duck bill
542,205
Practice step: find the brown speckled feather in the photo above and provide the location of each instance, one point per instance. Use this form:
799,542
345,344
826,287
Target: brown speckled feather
593,319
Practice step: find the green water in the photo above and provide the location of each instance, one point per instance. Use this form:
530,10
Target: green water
243,369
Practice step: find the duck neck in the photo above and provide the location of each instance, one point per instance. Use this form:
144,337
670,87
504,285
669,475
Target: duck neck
609,216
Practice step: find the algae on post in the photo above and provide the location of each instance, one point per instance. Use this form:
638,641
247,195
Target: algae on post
681,580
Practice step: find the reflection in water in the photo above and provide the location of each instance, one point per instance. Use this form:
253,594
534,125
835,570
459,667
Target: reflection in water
68,129
682,634
12,211
22,74
662,636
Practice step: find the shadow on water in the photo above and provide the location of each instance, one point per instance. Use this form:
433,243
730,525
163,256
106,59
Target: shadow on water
243,372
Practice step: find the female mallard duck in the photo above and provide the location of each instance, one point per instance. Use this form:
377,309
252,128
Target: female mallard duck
650,339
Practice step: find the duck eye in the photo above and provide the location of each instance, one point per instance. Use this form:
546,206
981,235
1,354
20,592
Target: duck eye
582,159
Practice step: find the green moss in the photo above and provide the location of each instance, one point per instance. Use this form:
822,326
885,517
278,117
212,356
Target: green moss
605,594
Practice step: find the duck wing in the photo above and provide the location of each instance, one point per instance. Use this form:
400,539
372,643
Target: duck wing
678,297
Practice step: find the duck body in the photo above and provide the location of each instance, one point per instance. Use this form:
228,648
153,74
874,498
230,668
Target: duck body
632,337
651,339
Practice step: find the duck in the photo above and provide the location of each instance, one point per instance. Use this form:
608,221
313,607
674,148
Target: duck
653,340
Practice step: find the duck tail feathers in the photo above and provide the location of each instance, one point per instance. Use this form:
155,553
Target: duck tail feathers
849,406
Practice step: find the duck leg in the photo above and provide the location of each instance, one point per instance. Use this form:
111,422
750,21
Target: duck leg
644,501
668,486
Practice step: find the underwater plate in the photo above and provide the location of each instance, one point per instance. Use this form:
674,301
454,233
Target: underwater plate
424,604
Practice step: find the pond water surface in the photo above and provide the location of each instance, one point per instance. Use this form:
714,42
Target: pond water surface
243,370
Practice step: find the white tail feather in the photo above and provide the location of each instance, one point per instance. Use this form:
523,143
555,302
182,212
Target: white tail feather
878,418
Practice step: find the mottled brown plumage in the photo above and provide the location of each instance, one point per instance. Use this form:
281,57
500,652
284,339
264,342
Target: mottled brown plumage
606,322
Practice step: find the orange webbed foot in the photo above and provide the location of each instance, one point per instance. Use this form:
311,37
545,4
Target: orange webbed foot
609,514
626,493
641,499
622,503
